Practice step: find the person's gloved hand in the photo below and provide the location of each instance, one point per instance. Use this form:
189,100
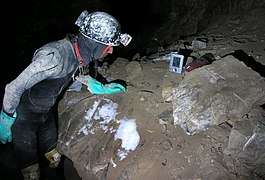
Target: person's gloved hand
6,122
95,87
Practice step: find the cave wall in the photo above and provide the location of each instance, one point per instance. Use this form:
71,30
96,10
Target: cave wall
27,26
38,22
191,17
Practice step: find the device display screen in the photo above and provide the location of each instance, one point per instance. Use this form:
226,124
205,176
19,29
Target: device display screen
176,61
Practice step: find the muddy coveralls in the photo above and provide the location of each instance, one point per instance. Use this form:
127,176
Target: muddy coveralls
33,94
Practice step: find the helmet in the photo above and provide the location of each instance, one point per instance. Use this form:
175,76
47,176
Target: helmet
100,27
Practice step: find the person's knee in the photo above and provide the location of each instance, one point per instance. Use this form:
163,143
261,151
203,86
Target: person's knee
54,158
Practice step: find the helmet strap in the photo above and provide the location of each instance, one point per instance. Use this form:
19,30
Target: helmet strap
105,51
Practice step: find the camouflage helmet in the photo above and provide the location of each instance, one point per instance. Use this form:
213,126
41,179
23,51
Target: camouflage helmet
100,27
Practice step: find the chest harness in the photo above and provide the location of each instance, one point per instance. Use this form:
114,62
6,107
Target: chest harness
81,65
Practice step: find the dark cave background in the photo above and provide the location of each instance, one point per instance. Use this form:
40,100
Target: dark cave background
28,25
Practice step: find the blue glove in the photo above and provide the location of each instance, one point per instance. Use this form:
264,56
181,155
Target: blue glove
95,87
6,122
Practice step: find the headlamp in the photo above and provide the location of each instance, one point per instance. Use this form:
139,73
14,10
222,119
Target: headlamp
125,39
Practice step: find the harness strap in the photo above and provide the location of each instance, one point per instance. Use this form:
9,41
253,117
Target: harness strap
80,59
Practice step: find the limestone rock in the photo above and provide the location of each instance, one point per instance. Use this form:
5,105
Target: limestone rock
246,146
84,137
213,94
133,70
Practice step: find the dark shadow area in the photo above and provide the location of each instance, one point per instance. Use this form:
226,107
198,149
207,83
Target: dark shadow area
263,106
48,173
8,167
100,78
70,172
186,53
248,61
10,171
119,81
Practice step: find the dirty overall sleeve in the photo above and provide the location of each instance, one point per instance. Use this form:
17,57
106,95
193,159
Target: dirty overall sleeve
45,63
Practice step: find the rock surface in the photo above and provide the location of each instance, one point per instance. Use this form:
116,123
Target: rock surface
224,91
230,142
205,124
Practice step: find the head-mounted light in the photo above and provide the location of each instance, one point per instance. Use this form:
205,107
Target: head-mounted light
125,39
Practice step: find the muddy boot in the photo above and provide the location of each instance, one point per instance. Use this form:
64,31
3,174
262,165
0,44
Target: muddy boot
54,157
31,172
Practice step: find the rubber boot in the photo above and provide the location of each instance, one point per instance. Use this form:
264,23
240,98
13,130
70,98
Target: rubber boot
54,157
31,172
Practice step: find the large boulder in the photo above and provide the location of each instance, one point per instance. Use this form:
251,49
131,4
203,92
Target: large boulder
89,124
223,91
92,136
246,144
